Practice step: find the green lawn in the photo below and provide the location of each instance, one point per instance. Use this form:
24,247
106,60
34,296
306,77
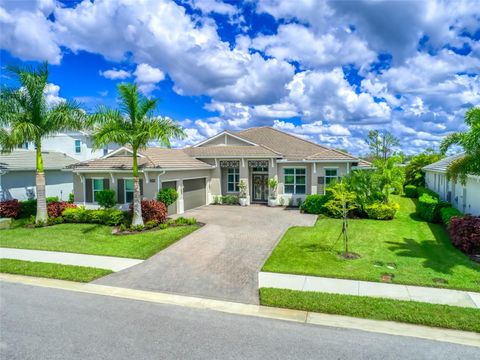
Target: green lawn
92,239
452,317
419,252
54,271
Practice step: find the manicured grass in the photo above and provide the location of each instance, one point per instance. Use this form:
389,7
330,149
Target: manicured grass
452,317
92,239
419,252
54,271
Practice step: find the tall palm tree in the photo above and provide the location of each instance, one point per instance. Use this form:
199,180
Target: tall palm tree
470,142
133,125
26,116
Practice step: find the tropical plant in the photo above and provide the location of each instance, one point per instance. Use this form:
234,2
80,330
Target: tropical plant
106,198
414,175
133,125
470,142
389,175
242,187
365,185
26,116
272,186
341,202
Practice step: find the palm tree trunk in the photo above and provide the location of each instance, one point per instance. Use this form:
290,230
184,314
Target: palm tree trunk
137,197
42,214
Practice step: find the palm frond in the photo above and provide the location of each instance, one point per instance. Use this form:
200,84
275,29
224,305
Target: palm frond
65,116
449,140
112,130
130,98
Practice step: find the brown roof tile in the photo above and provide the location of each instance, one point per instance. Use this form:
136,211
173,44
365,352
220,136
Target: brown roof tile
225,151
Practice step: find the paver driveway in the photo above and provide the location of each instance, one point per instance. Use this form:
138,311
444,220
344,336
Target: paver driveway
220,260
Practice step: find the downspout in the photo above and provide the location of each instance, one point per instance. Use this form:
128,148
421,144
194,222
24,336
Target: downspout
158,180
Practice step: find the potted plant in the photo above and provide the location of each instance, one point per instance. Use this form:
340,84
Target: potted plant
272,186
242,186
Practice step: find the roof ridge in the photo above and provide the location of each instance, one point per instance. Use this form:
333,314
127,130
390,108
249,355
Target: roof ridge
304,140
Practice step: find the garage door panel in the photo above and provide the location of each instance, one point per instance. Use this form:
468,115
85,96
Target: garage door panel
194,193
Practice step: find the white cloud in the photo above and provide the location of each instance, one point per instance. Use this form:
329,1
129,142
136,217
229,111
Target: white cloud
214,6
52,94
114,74
148,74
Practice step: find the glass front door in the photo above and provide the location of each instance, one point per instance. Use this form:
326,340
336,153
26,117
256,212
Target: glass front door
260,187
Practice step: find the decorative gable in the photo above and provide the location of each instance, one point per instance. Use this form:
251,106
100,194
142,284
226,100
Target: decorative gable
225,138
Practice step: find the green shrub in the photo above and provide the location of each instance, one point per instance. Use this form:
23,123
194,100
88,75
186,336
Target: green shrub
423,190
71,198
447,213
230,200
411,191
151,224
314,204
52,199
381,211
106,198
426,207
163,226
167,196
101,216
55,220
185,221
28,208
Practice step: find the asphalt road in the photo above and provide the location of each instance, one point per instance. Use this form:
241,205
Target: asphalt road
40,323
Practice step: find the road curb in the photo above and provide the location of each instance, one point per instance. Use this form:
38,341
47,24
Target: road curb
338,321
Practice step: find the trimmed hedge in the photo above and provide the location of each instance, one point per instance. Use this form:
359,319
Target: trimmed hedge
101,216
10,208
423,190
226,200
428,208
314,204
411,191
465,233
447,213
106,198
167,196
28,208
381,211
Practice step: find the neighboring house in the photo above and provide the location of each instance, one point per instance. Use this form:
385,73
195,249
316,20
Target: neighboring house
465,198
216,166
77,145
18,169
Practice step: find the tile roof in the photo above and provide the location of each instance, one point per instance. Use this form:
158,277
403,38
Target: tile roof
228,150
292,147
26,160
154,158
442,165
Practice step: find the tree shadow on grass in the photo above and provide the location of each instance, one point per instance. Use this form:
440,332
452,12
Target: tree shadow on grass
438,254
91,228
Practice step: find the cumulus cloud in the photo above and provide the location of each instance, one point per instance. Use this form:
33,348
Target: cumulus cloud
52,94
214,6
147,77
114,74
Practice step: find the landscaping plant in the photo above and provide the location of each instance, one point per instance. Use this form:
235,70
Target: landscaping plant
106,198
56,208
465,233
272,186
10,208
366,186
342,201
414,175
447,213
134,125
411,191
382,211
152,210
26,116
167,196
315,204
389,175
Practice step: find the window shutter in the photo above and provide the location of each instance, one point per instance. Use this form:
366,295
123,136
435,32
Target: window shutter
321,180
88,190
120,191
141,187
106,184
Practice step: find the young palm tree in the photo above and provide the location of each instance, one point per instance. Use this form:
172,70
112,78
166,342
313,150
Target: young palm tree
389,175
134,125
25,116
470,142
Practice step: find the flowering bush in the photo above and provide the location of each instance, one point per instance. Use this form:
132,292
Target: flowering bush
55,209
381,211
465,233
9,208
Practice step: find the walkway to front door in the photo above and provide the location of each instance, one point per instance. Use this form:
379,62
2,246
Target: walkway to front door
220,260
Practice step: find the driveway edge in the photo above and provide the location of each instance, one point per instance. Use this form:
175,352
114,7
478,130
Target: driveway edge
384,327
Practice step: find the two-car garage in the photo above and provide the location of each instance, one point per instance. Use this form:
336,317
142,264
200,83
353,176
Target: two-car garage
194,194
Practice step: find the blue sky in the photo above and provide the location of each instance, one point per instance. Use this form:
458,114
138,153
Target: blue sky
326,71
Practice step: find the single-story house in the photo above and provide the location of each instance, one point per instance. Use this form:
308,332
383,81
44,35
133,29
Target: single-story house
216,166
465,198
18,170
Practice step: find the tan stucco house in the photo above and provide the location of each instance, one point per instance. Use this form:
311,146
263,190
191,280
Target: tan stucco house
216,166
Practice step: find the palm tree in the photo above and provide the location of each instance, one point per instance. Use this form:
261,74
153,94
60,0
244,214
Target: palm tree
26,116
389,175
134,125
470,142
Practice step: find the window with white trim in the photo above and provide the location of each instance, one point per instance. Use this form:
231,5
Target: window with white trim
78,146
331,175
233,178
295,180
128,191
97,186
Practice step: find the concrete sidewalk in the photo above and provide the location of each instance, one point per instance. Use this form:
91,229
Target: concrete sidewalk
366,288
56,257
